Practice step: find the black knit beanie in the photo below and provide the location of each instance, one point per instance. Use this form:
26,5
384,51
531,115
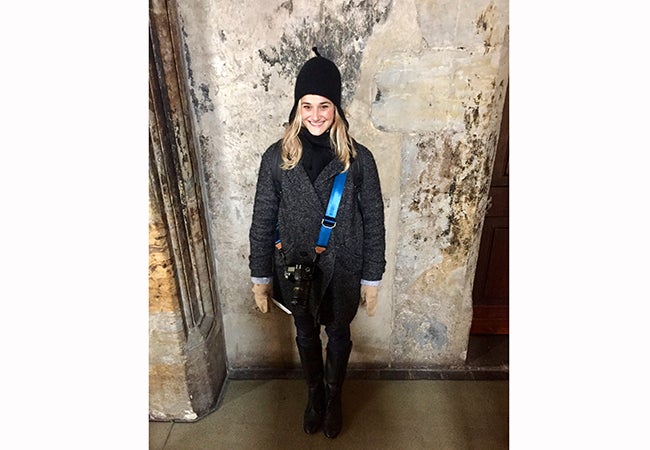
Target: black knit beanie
318,76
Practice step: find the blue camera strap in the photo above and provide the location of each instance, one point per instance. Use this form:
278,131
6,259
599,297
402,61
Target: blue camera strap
329,221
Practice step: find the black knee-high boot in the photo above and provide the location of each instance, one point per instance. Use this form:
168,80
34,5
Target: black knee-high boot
312,365
335,369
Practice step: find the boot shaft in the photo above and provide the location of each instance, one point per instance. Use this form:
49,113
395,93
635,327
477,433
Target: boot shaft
335,369
311,359
336,366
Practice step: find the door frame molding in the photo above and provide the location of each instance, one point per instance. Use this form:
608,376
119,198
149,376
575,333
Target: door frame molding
176,181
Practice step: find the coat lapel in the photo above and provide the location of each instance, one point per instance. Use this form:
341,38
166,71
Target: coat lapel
332,169
325,180
315,195
301,186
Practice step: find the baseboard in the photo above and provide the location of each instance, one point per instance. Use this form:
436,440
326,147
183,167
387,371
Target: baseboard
466,373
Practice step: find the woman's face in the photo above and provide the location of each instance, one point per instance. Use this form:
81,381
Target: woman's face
317,113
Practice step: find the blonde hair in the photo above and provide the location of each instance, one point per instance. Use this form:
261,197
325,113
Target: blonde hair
340,140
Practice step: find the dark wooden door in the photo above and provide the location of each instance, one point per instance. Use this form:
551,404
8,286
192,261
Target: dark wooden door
490,296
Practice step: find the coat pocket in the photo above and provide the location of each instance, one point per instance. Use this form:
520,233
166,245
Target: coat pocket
349,260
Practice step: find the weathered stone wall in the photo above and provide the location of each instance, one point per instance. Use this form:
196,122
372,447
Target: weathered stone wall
424,85
168,392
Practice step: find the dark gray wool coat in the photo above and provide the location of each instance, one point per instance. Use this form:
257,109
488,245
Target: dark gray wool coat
357,244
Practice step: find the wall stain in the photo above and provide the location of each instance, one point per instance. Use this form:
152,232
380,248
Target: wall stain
204,103
424,333
484,26
458,168
423,197
436,333
340,35
472,113
472,161
288,5
265,81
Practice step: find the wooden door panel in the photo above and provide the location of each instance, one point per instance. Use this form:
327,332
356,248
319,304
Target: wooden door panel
490,319
490,296
499,204
496,286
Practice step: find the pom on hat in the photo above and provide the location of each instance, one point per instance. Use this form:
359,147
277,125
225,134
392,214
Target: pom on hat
318,76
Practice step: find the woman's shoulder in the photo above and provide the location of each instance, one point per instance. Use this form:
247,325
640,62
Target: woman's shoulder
272,150
363,152
276,145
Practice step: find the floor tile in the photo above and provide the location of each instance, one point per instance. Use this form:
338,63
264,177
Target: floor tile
158,432
378,414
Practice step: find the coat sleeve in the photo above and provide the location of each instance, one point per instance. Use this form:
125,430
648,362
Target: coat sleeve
265,216
372,209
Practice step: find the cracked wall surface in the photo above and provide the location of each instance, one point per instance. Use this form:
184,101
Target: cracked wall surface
424,86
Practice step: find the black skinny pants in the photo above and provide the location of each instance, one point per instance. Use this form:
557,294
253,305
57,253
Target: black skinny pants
308,333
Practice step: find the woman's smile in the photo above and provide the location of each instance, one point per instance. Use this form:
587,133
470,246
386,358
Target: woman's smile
317,113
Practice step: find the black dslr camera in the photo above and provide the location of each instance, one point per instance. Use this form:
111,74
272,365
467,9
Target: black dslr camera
301,275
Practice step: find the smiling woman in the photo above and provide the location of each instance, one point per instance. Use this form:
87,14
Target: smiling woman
316,113
323,282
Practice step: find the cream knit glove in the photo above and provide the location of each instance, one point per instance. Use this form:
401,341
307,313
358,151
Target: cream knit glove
262,294
369,298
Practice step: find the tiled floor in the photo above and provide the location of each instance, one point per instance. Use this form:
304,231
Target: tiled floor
378,414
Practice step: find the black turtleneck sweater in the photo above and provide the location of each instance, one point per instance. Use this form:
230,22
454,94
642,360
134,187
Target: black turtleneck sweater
316,152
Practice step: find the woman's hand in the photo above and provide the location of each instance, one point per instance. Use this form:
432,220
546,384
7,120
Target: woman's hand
263,293
369,298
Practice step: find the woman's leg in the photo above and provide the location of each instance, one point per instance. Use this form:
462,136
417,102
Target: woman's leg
339,346
311,357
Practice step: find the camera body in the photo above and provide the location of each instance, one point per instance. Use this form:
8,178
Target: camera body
301,275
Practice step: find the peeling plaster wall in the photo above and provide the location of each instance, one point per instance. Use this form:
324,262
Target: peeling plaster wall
424,85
